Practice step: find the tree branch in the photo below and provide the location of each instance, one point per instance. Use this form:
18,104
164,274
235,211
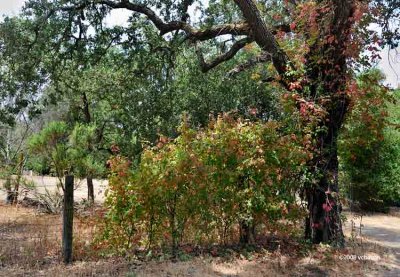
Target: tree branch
254,27
206,66
262,58
239,28
264,37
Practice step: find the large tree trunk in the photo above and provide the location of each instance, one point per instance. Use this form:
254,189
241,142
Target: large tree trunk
326,68
326,77
323,223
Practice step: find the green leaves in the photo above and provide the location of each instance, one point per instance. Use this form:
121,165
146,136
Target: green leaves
369,151
63,150
230,172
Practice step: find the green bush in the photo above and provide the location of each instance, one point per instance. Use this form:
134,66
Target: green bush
216,185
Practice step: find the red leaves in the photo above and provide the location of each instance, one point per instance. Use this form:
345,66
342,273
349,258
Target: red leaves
253,111
327,207
358,14
295,86
316,225
162,141
115,149
330,39
303,109
292,26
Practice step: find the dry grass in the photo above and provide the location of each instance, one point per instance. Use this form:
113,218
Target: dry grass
30,245
27,238
30,240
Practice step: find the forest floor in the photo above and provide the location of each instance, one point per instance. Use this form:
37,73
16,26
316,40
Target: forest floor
30,244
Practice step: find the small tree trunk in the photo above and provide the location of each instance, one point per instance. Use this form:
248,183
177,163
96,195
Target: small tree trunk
14,194
89,181
247,232
10,197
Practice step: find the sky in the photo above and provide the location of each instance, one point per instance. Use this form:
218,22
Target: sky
390,63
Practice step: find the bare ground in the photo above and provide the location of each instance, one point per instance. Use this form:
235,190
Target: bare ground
43,183
30,246
381,230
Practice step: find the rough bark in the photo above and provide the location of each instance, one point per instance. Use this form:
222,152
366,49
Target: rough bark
264,36
327,74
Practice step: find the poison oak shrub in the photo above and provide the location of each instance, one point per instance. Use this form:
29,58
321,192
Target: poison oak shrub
201,187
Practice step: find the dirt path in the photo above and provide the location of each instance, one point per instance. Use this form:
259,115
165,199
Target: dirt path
379,229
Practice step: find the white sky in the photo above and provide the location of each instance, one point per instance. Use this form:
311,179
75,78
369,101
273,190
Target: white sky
119,17
10,7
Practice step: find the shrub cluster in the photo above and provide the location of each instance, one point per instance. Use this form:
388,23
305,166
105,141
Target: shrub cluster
222,184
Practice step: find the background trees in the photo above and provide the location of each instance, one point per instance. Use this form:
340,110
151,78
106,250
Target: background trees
369,146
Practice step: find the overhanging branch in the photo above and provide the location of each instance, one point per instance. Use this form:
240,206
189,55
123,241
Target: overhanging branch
194,34
264,37
262,58
166,27
206,66
253,27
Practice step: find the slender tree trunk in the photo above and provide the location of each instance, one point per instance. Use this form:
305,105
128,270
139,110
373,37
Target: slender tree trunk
246,226
14,194
247,232
89,181
88,120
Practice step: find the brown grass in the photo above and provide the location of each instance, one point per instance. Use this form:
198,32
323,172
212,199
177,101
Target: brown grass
30,245
30,240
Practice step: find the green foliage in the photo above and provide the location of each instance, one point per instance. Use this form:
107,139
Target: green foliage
39,164
136,95
50,146
83,143
370,145
61,150
200,187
